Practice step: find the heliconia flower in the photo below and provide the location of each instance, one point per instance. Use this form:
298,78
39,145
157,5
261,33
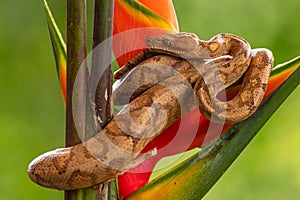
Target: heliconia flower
131,14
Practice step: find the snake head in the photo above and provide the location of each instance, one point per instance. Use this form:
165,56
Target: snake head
185,45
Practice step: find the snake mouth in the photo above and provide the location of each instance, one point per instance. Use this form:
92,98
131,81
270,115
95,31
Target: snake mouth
162,51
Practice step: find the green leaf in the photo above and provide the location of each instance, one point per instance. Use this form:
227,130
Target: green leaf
58,45
193,178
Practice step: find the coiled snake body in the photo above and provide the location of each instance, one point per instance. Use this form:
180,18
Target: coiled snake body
179,69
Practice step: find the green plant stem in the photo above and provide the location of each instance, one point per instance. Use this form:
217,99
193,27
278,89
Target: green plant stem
101,76
101,58
76,54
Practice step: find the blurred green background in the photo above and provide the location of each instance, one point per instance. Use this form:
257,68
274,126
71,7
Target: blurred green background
32,111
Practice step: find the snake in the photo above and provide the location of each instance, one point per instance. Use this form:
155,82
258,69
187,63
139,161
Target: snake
175,70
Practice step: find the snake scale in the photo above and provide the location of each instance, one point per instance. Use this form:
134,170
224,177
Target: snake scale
176,69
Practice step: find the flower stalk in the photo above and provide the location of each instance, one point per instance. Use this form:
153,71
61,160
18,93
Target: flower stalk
76,54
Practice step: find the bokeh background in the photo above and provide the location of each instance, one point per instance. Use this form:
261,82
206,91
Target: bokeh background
32,110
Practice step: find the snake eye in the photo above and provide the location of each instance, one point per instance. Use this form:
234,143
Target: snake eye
166,43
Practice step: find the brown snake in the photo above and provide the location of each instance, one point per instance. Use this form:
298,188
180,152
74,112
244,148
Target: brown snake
184,70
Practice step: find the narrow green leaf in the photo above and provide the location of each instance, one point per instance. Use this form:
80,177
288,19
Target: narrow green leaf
58,45
194,178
